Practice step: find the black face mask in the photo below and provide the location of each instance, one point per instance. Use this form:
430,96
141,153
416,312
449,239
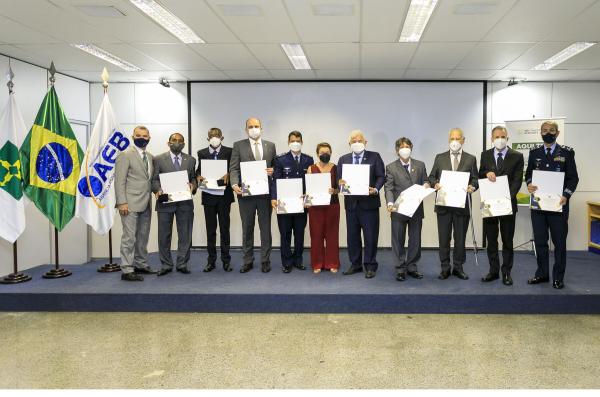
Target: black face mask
176,147
141,142
325,157
549,138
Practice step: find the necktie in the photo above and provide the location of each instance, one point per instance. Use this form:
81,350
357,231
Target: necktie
500,161
297,159
145,160
356,159
177,164
548,153
405,167
455,161
215,155
256,152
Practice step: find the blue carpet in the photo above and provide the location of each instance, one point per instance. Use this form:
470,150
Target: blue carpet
305,292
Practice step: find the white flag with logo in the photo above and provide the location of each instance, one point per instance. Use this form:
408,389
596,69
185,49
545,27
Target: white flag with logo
12,200
95,189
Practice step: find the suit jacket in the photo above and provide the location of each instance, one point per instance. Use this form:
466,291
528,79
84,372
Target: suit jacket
376,180
132,181
512,167
286,168
163,163
468,163
397,179
242,151
224,154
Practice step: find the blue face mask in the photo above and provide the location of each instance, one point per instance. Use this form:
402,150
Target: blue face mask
141,142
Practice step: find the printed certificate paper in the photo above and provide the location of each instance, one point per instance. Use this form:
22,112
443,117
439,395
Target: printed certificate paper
175,184
357,179
454,189
495,197
550,189
410,199
289,196
254,178
317,188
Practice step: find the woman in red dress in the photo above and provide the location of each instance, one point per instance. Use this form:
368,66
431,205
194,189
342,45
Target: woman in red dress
324,220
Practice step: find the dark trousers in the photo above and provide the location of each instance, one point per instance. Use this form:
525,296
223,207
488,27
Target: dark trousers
185,221
250,207
452,222
367,222
218,213
407,258
506,225
288,224
558,224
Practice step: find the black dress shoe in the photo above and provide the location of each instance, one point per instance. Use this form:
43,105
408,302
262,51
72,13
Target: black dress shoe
162,272
351,271
246,268
369,274
415,274
183,270
490,277
460,274
227,267
401,276
300,266
131,277
145,270
558,284
286,269
209,267
538,280
265,267
507,279
444,275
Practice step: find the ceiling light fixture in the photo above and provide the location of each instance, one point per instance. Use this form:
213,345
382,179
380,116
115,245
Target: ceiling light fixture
563,55
168,20
107,56
296,55
417,17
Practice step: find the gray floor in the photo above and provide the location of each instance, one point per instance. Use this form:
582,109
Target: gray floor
153,350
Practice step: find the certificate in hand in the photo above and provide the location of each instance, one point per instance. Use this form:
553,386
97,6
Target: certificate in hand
357,179
255,180
410,199
317,188
453,191
289,196
550,190
495,197
212,171
175,185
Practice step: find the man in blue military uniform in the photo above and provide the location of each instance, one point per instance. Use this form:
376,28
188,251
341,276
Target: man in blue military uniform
292,164
551,157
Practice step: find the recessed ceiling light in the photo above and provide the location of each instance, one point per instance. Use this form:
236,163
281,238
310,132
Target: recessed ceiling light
475,8
333,10
101,11
240,10
563,55
417,17
107,56
296,55
168,20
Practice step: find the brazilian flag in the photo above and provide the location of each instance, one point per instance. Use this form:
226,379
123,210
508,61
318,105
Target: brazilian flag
50,162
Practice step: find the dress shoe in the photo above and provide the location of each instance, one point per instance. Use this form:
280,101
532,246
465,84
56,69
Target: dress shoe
351,270
507,279
227,267
415,274
131,277
286,269
460,274
265,267
444,275
538,280
558,284
209,267
246,268
162,272
299,266
401,276
369,274
145,270
490,277
183,270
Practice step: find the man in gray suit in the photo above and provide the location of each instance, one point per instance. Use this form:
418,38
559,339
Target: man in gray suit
399,176
133,170
172,161
252,149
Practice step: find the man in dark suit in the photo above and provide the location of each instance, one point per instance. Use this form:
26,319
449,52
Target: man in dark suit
253,149
556,158
217,208
362,212
498,161
453,220
292,164
399,176
172,161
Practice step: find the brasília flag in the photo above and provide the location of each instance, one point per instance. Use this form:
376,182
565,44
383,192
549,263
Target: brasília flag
12,206
51,158
95,189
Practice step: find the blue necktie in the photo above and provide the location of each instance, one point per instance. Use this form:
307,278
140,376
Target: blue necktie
177,164
215,154
405,167
357,159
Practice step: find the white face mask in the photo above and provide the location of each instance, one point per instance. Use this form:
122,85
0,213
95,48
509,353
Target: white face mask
455,146
404,153
295,146
500,143
254,132
214,142
357,147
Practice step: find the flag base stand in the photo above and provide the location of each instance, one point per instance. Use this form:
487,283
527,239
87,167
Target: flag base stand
57,273
109,268
15,278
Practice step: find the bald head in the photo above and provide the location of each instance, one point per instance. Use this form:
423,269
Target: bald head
253,122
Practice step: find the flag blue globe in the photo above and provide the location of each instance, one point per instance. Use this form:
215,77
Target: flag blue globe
54,163
95,183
